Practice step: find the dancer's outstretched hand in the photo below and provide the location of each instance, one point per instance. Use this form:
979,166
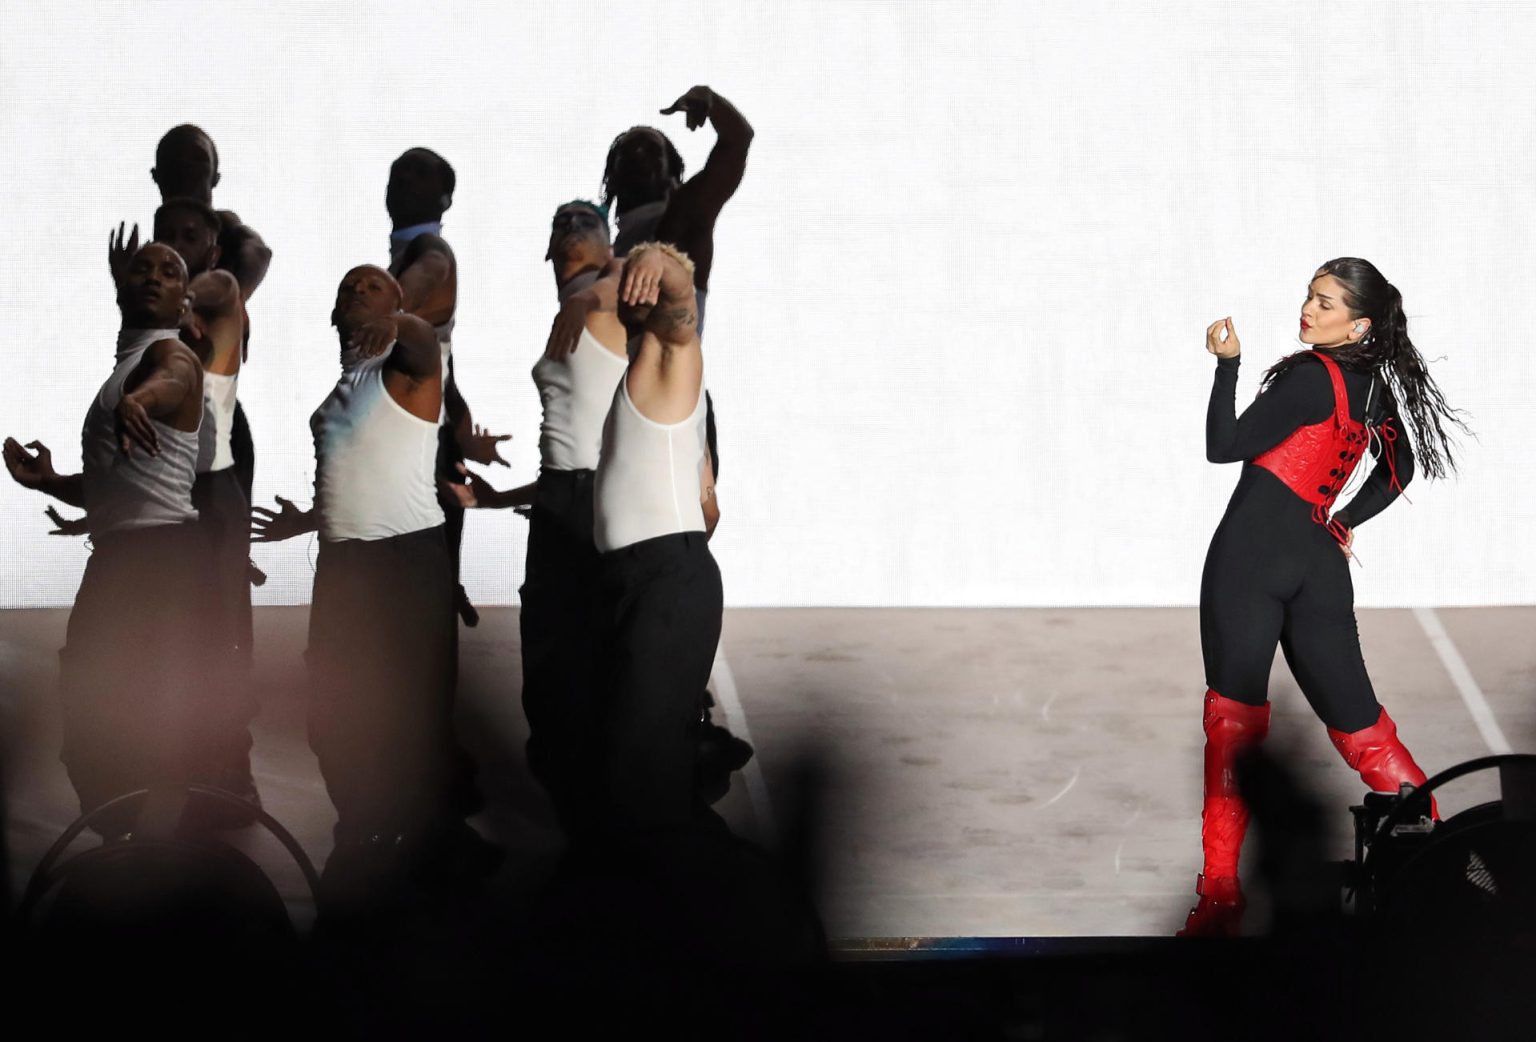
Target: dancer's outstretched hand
134,427
476,493
570,320
1222,346
376,337
289,521
120,253
482,447
642,278
695,105
29,471
67,525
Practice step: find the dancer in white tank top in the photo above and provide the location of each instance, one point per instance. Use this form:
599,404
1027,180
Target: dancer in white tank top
137,711
382,634
575,377
643,180
215,329
661,594
420,191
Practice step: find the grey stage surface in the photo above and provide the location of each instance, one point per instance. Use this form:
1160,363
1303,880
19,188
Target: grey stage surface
988,772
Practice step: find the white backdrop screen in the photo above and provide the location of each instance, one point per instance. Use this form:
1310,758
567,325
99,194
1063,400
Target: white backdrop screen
956,318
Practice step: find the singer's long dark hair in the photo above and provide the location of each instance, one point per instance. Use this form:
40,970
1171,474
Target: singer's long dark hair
1386,347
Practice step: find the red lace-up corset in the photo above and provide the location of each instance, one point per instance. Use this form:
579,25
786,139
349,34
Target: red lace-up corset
1315,461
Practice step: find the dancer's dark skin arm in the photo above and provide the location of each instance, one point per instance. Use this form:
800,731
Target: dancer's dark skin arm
478,494
269,526
416,354
243,253
689,223
413,372
167,386
34,470
216,325
429,281
600,297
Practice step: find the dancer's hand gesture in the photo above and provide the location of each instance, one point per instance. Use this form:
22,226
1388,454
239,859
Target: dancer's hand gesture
67,525
642,278
695,105
1349,542
120,253
482,447
134,427
565,333
270,527
29,471
376,337
477,492
1216,344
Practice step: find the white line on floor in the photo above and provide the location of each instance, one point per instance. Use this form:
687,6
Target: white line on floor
736,723
1461,676
1064,791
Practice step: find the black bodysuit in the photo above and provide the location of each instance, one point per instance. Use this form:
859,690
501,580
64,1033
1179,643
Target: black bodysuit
1273,574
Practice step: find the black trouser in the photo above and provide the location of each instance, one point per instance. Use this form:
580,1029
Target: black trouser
661,612
244,451
1273,575
448,459
143,704
381,648
560,648
224,514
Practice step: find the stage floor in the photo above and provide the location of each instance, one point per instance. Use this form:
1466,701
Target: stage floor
980,772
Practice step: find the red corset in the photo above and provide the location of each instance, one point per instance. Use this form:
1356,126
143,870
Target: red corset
1315,461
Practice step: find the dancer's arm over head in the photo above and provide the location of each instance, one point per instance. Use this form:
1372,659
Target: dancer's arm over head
696,204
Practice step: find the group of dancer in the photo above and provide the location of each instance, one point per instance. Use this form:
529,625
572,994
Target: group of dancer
622,601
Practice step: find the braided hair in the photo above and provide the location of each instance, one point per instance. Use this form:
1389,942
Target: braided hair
674,162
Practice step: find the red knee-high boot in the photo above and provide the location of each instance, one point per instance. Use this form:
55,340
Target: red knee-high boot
1381,758
1231,729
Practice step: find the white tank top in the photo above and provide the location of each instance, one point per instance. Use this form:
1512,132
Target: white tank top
577,392
214,452
648,477
445,346
138,490
374,461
